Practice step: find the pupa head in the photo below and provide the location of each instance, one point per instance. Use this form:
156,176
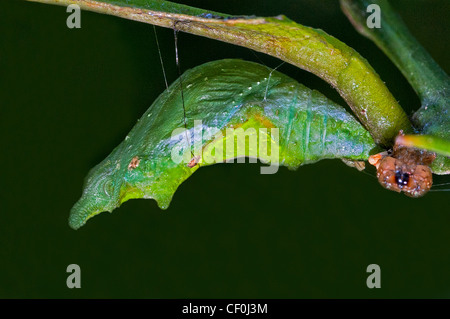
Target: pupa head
101,193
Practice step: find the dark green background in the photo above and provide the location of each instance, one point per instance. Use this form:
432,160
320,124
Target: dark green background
68,97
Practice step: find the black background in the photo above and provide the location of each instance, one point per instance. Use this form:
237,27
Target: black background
69,96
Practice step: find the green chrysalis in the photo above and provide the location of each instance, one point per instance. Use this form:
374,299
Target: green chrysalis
222,94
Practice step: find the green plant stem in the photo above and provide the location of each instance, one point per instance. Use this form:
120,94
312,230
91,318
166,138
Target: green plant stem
394,38
310,49
430,82
427,142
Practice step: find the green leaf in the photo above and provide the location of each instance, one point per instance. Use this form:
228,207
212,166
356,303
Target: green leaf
224,95
310,49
